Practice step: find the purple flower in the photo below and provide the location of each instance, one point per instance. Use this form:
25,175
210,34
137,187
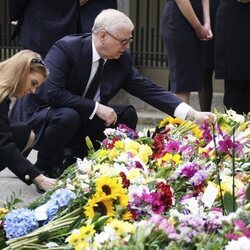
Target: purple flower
225,145
172,147
199,177
190,170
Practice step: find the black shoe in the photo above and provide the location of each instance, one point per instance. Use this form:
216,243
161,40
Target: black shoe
68,162
39,190
56,172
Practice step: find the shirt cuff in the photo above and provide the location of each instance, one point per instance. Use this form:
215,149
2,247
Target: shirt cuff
94,111
182,110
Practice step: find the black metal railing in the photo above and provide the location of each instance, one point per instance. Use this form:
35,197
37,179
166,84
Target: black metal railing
147,47
8,47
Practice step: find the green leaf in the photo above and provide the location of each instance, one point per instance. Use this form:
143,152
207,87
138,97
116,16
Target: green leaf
229,203
100,223
248,193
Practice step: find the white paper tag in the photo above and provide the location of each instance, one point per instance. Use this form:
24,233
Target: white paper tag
40,212
210,195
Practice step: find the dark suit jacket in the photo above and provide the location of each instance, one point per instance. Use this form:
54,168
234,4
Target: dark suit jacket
91,9
10,156
42,22
69,62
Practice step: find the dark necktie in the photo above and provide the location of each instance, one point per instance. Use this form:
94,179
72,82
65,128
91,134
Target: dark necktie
95,81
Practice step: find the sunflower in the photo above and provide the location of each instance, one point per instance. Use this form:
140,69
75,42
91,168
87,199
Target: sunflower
99,205
170,120
108,187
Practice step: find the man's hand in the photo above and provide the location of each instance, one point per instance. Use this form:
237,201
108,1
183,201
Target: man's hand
201,117
107,114
43,182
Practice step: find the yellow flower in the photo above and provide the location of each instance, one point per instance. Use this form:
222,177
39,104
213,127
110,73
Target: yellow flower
132,147
177,159
167,157
122,228
3,211
108,187
197,132
119,145
87,232
75,238
170,120
144,152
102,153
82,246
113,153
123,199
99,205
127,215
227,183
134,173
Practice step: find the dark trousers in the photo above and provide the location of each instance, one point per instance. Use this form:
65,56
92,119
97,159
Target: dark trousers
236,95
64,129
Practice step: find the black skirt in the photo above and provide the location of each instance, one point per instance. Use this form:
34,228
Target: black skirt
184,49
232,44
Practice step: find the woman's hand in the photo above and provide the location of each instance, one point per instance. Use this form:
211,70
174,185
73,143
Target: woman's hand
43,182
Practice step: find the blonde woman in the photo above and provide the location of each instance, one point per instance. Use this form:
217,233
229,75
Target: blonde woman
20,75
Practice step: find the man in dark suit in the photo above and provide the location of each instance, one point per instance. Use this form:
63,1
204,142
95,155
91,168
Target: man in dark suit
62,114
90,9
42,22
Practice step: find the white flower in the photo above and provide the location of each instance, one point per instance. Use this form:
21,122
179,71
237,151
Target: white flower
51,245
242,243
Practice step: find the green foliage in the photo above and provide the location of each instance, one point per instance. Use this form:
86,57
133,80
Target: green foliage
147,239
248,193
12,201
230,204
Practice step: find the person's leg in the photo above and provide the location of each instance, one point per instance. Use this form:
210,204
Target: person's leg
233,94
245,98
184,96
61,125
126,114
206,93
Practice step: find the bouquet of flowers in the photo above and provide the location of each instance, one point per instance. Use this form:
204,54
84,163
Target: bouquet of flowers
178,186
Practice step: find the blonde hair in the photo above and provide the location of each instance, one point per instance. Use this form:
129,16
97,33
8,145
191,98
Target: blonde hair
14,70
111,20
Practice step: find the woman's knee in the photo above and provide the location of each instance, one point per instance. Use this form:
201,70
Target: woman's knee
30,141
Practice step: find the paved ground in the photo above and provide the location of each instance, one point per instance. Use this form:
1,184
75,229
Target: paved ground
9,183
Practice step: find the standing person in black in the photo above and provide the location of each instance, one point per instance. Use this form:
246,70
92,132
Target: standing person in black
232,53
90,9
206,93
20,76
41,22
184,25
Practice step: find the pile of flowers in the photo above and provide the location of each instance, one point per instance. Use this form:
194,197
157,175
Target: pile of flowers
178,186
